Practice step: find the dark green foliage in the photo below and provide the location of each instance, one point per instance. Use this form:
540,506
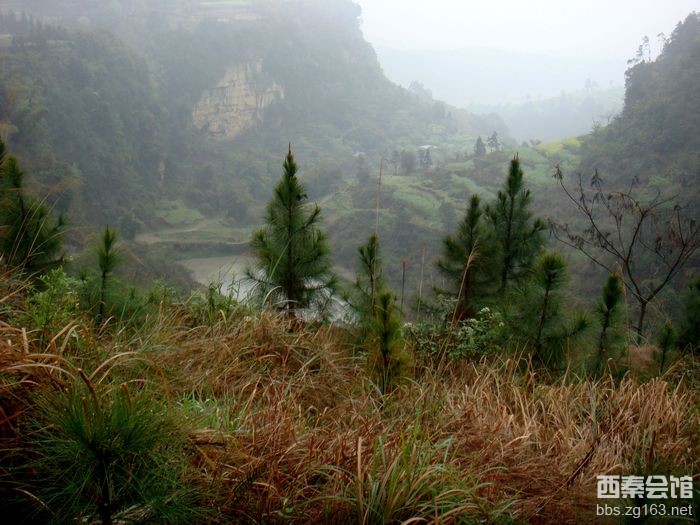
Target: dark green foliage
370,282
378,317
408,161
81,110
54,301
518,233
131,285
294,268
609,313
29,237
468,261
387,359
110,456
540,321
107,257
123,302
666,340
111,132
107,260
469,339
689,326
216,304
549,276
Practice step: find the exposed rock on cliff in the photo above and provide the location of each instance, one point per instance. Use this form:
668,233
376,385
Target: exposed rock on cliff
237,103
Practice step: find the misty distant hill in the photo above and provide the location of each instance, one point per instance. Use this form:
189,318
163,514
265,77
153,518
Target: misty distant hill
566,115
539,96
485,77
198,101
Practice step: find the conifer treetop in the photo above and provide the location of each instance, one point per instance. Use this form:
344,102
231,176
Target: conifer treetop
293,267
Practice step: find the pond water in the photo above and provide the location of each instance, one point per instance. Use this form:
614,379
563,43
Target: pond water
228,271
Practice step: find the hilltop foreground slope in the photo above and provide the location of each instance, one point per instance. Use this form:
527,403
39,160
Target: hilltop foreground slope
229,417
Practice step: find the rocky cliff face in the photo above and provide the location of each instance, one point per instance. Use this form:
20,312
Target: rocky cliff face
237,103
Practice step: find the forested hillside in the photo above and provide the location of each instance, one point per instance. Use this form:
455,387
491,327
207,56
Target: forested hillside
130,123
82,112
656,138
157,131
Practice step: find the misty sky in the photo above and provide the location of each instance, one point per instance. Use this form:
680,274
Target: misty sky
563,27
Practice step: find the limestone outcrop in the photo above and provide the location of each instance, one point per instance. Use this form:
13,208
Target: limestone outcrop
237,103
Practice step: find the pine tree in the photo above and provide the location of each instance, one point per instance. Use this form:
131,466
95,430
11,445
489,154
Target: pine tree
387,359
479,148
689,326
540,321
549,277
666,340
107,260
493,142
369,282
294,267
519,235
29,238
609,313
467,262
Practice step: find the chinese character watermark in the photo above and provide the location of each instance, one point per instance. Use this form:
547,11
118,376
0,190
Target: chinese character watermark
651,487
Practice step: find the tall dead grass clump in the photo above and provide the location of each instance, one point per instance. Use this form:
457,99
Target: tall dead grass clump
287,426
548,442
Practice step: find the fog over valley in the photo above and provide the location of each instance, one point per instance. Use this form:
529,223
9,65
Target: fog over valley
349,261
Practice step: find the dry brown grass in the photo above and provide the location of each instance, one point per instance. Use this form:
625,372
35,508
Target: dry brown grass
306,406
286,425
641,360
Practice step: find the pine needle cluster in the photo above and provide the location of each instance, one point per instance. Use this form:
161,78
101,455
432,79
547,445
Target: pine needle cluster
29,238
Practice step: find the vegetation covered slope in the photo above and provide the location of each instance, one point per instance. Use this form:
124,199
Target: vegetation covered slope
82,112
656,138
131,138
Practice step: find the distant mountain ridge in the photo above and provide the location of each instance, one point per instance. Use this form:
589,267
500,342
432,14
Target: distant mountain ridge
475,77
567,115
